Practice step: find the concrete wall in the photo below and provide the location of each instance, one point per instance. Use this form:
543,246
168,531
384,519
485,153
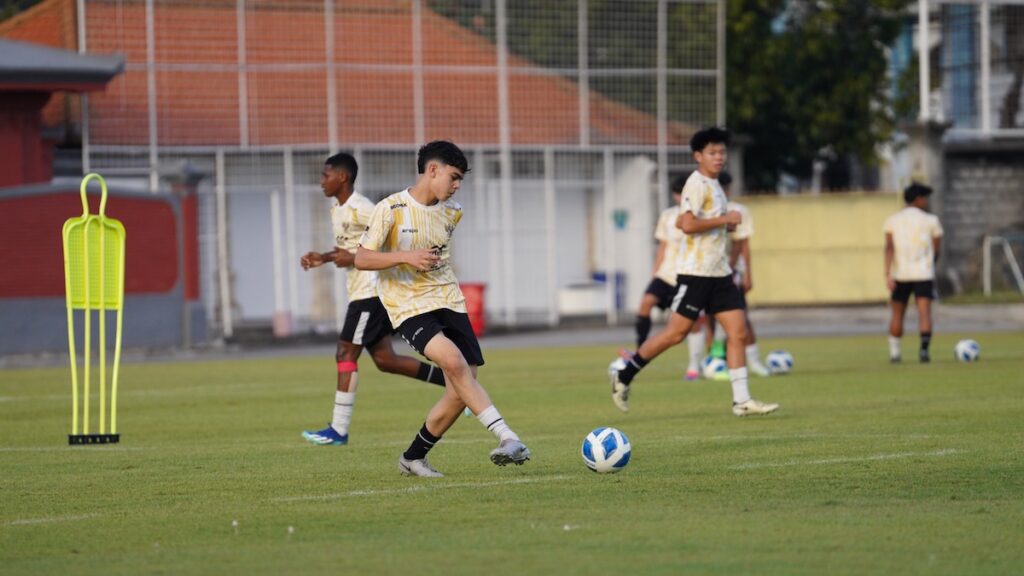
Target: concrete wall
984,194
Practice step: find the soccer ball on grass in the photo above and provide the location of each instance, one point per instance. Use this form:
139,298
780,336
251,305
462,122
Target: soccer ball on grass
606,450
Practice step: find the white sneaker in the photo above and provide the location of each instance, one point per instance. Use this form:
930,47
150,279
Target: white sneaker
510,452
753,408
759,369
419,467
620,392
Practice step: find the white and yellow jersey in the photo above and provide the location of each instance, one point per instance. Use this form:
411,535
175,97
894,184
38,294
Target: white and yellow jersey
400,223
707,253
913,231
350,221
744,230
671,235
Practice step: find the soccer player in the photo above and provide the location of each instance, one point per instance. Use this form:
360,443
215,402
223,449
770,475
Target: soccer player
663,286
366,322
408,242
704,280
743,274
913,238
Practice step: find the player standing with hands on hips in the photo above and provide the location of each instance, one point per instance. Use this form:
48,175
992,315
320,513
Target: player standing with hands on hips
408,242
704,281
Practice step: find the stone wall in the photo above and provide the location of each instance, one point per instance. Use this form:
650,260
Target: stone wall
983,194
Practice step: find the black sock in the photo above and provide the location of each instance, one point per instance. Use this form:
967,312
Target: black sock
926,340
632,367
430,373
421,444
643,328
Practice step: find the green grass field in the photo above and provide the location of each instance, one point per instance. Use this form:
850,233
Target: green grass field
867,469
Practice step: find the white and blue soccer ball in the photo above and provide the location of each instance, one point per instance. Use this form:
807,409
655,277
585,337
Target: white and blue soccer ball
779,362
606,450
967,351
712,367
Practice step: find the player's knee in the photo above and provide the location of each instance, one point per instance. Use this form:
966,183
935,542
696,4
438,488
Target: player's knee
346,352
453,364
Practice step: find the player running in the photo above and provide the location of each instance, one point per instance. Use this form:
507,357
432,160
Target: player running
662,287
366,322
705,278
408,242
913,238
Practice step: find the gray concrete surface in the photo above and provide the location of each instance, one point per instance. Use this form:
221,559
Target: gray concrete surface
769,323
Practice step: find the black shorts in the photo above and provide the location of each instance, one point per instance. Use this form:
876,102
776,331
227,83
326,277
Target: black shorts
366,323
921,289
701,293
661,290
418,330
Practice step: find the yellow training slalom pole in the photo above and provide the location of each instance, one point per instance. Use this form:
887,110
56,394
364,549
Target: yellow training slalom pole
94,258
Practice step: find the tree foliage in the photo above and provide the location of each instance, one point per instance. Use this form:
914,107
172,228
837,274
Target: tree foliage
808,80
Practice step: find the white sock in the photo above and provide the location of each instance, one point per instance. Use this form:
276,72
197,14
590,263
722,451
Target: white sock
753,356
698,348
496,424
344,402
894,347
738,378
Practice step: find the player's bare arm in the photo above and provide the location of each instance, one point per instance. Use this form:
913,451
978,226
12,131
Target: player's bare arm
316,259
936,246
748,274
890,251
659,257
422,260
690,224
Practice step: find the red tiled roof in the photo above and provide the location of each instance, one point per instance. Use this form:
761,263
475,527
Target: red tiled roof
287,105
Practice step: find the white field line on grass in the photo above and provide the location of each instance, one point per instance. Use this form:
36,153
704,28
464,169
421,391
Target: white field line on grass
92,448
847,460
420,488
50,519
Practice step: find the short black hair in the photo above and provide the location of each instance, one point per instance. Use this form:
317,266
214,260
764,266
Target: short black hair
443,151
677,185
344,161
712,135
915,191
724,178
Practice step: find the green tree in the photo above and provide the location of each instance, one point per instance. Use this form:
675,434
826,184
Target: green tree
809,77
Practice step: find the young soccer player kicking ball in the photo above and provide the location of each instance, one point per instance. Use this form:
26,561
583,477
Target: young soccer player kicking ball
913,238
705,279
408,242
366,322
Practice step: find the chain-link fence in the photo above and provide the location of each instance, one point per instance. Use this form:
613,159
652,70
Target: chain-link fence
570,111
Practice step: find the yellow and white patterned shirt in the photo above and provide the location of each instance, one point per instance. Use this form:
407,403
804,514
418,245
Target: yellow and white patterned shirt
350,221
707,253
913,231
400,223
671,235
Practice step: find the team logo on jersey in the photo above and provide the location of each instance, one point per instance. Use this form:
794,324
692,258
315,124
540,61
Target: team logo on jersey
399,205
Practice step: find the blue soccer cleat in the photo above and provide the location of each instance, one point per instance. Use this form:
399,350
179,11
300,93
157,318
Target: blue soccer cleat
326,437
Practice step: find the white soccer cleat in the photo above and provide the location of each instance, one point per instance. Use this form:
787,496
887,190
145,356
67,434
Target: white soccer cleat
753,408
759,369
420,468
620,392
510,452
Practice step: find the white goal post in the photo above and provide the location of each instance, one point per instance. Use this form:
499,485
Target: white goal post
986,246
